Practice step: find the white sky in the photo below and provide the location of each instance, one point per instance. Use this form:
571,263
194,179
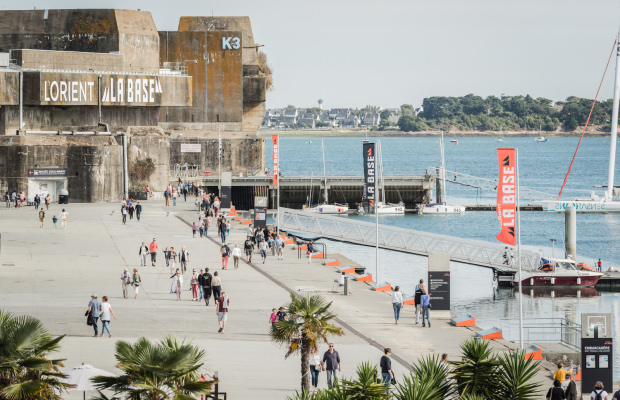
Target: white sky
390,52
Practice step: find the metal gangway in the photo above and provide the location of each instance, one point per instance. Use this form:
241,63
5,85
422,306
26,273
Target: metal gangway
185,170
474,252
475,182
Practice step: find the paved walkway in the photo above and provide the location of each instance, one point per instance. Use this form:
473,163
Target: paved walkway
50,273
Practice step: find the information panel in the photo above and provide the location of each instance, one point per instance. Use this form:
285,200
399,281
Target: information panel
47,172
596,350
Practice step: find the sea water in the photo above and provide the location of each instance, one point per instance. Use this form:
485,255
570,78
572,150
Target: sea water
542,167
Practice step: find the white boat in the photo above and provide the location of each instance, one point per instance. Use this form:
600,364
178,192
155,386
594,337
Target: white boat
595,204
386,209
441,208
328,209
541,139
501,135
558,272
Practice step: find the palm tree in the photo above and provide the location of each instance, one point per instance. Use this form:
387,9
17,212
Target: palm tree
364,386
308,325
479,373
517,379
26,372
157,371
427,380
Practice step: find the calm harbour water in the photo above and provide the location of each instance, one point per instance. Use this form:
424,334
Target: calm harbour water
542,167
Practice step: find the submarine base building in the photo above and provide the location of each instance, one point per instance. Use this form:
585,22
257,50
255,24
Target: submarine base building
80,86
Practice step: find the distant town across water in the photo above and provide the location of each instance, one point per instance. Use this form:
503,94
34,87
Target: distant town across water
470,113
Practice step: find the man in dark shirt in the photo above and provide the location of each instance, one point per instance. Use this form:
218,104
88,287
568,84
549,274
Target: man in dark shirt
331,364
386,369
205,281
221,308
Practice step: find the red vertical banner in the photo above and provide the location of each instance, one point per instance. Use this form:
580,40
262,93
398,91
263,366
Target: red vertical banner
276,154
506,196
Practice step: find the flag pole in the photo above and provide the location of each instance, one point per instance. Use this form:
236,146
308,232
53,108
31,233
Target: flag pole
278,187
519,251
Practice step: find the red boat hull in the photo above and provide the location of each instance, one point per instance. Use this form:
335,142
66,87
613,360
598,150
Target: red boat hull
560,281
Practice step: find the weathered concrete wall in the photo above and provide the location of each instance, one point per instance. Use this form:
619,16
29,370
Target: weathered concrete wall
68,60
150,143
58,118
94,164
253,115
128,32
9,84
184,48
224,77
238,155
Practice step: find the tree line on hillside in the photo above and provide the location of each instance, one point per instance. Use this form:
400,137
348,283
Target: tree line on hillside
508,113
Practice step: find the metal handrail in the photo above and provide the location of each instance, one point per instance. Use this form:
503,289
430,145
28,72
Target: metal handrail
467,251
545,330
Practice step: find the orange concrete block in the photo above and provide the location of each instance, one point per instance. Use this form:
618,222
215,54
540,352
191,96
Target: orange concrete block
246,222
536,355
232,208
303,247
493,335
289,241
238,218
364,278
384,287
347,270
334,263
232,214
318,255
469,322
410,302
577,376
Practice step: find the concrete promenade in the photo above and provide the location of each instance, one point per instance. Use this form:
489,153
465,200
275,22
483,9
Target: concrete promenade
51,273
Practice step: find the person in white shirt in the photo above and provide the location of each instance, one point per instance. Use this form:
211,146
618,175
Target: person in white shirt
143,252
236,253
279,248
105,311
397,302
263,250
63,218
177,282
341,279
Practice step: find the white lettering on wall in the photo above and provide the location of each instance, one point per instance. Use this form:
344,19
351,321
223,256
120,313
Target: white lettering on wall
138,90
231,43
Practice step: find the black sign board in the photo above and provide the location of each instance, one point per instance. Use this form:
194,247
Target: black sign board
225,197
370,177
439,289
47,172
260,217
596,363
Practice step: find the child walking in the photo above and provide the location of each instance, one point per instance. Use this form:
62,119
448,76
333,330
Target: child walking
54,220
273,317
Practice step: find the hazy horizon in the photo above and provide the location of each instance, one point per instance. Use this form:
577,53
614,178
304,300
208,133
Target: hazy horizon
353,54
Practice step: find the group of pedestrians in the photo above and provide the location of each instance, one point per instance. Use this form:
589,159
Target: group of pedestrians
99,310
128,280
129,207
422,301
18,199
264,242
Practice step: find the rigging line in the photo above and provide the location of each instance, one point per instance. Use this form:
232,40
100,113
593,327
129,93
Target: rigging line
588,120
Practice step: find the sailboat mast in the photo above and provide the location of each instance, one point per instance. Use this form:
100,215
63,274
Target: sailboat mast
380,154
614,127
324,170
443,171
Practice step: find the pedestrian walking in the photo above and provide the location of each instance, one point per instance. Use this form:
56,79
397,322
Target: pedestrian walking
280,248
143,252
167,197
248,246
599,264
397,302
206,282
225,250
599,392
310,251
37,201
125,282
184,259
106,311
386,369
63,218
221,306
419,291
315,367
130,210
174,197
138,211
263,250
426,308
8,200
273,317
54,221
506,257
136,281
47,202
172,259
194,285
223,228
41,218
556,392
281,314
153,247
331,364
272,245
200,285
177,281
194,229
94,309
236,253
560,375
216,286
124,214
